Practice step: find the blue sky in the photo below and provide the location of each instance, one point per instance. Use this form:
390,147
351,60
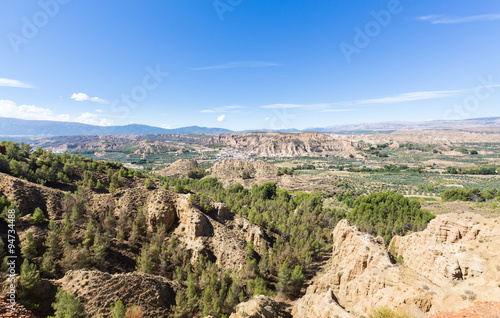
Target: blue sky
249,64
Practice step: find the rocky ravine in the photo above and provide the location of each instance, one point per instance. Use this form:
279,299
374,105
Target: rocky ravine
446,267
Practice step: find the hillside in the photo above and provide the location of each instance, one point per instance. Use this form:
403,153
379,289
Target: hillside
239,239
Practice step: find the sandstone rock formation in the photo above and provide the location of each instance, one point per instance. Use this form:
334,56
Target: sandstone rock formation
458,252
446,267
178,169
260,307
480,309
286,144
160,209
219,239
99,291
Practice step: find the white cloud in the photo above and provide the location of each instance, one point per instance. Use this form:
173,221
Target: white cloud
93,119
442,19
221,118
267,118
9,109
80,97
14,83
224,109
235,65
98,110
166,126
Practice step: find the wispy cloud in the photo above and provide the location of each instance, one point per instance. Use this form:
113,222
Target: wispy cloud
224,109
291,106
442,19
332,110
241,64
80,97
9,108
221,118
14,83
392,99
405,97
410,97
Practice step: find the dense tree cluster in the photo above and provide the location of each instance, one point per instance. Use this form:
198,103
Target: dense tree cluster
42,166
198,173
297,224
388,214
474,194
482,170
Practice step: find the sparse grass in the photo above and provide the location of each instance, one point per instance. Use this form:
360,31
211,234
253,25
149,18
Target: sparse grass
386,312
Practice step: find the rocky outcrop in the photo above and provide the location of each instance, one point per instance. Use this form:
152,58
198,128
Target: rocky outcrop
479,309
160,209
446,267
458,252
27,196
260,307
231,170
178,169
99,291
204,235
286,144
359,278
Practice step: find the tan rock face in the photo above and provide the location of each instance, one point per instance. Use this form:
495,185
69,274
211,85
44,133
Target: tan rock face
99,291
360,276
160,209
260,307
289,144
446,267
458,252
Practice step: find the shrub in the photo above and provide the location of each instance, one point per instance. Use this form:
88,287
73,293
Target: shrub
148,184
386,312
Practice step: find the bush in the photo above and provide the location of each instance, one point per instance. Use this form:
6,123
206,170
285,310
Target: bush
245,175
148,184
386,312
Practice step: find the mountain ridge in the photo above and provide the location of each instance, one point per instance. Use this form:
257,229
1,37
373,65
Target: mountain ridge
23,127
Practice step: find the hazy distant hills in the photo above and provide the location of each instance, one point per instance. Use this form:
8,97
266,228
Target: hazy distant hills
486,122
21,127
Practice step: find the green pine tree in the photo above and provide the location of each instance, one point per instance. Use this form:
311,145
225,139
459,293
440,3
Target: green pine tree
38,216
29,246
67,306
118,310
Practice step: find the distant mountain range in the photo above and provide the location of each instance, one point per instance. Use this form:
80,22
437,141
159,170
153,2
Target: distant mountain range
21,127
